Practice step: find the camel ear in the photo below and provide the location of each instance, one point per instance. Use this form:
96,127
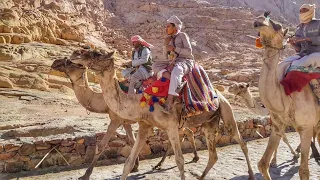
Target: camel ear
285,31
276,26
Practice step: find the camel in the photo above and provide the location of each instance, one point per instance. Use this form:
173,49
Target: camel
243,90
93,101
300,110
127,106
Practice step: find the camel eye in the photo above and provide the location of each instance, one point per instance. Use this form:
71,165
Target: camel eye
241,86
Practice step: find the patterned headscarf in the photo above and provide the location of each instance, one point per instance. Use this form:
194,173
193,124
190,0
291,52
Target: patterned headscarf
137,38
307,16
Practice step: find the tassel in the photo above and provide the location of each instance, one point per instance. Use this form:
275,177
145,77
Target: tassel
151,109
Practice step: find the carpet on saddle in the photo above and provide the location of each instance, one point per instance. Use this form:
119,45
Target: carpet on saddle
198,95
297,77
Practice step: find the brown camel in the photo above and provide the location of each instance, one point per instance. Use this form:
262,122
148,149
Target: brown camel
243,90
94,102
128,107
300,110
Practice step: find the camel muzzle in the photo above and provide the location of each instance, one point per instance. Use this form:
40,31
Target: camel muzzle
258,24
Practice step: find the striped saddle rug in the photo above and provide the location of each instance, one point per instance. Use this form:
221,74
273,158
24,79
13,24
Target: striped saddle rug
198,95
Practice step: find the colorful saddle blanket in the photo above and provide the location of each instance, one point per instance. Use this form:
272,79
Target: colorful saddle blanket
198,95
299,76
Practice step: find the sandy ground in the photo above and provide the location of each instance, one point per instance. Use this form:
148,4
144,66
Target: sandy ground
230,165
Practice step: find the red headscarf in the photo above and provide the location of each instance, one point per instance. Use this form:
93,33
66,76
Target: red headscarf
137,38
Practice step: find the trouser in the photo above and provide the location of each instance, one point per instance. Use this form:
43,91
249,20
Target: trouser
140,74
180,69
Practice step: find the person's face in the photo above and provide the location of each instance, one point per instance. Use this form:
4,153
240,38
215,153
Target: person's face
170,29
136,44
303,10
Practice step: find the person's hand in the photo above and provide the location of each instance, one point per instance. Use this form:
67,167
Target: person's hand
295,40
167,40
170,48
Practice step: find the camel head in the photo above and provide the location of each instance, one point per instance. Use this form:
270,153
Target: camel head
68,67
239,89
98,60
271,33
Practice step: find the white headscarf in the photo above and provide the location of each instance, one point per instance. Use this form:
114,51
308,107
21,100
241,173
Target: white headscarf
307,16
176,21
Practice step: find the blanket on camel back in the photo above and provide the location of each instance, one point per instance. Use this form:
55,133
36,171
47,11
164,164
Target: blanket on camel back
198,95
299,76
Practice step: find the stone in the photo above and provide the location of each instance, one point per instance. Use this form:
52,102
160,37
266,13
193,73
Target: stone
27,149
39,154
24,158
117,143
2,39
125,151
43,146
12,167
30,165
249,124
198,143
186,145
111,153
65,149
156,148
89,140
67,143
220,88
55,141
90,152
80,141
81,149
16,39
145,151
1,148
224,140
6,156
2,165
11,147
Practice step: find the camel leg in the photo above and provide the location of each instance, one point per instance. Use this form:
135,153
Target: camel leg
285,140
305,139
273,143
158,166
113,126
173,134
210,130
143,133
231,124
131,139
190,135
274,159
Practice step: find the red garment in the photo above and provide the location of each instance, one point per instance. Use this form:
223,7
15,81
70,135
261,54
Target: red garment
296,80
163,88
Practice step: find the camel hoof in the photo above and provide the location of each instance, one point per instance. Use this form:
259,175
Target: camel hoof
296,156
135,169
195,159
83,178
157,167
273,164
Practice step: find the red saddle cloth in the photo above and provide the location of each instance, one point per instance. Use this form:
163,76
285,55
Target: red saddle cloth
296,80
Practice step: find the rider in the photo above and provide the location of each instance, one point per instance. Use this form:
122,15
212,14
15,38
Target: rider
141,62
178,48
307,45
306,41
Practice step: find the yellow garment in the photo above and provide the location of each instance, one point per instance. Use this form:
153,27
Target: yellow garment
307,16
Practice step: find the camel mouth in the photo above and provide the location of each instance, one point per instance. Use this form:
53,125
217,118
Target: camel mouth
62,64
258,24
58,64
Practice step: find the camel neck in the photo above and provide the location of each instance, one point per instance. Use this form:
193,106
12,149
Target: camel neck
271,92
92,101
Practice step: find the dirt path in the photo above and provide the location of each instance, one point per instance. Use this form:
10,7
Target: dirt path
231,165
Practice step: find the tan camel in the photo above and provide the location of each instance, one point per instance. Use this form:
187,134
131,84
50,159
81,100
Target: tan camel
94,102
242,89
300,111
128,107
